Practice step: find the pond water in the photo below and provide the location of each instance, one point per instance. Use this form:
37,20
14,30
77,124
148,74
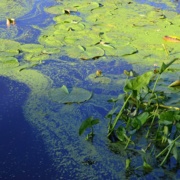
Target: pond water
38,136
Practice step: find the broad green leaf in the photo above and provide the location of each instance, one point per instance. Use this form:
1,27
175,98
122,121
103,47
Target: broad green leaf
8,62
91,53
165,66
9,45
169,116
99,79
62,95
88,123
32,48
36,56
140,120
121,133
67,19
138,83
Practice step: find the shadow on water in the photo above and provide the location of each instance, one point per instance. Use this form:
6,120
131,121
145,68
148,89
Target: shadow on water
22,153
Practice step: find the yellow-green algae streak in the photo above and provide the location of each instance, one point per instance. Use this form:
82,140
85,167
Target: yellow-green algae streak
116,29
13,9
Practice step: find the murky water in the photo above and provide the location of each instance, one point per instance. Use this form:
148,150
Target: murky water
39,138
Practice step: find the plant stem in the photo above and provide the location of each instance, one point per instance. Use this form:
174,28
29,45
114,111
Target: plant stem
163,151
128,141
167,154
152,122
119,115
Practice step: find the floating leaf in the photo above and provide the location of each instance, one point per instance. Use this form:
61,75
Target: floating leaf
8,62
32,48
67,19
91,53
36,56
171,38
9,45
62,95
99,79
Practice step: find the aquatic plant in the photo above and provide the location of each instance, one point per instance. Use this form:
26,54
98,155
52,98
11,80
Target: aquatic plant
144,112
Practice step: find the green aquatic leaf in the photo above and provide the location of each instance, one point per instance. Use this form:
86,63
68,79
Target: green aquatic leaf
67,19
32,48
139,82
99,79
36,56
8,62
169,116
91,53
9,46
77,95
140,120
165,66
88,123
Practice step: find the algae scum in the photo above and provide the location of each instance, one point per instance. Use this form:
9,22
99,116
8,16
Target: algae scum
74,39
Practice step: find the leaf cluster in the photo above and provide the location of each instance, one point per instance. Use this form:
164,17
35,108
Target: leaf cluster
144,112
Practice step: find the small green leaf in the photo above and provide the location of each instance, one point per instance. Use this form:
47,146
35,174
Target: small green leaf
147,167
88,123
140,120
128,161
139,82
165,66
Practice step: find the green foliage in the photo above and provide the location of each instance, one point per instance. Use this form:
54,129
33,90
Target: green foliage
144,111
88,123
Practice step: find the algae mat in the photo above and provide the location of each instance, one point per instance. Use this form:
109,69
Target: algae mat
14,9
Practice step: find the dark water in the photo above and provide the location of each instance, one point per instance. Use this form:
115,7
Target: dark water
22,153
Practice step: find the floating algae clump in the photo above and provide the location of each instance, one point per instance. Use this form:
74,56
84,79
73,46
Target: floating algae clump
14,9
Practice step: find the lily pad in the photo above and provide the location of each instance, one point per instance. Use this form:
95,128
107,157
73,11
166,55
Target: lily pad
32,48
9,46
8,62
99,79
62,95
36,56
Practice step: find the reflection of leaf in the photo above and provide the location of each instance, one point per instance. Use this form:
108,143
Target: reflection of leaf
175,83
77,95
88,123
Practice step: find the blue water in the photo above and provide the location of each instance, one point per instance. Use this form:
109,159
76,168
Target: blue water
22,152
